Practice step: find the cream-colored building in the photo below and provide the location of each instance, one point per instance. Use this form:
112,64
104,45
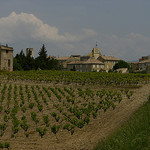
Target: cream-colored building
6,58
89,65
94,61
95,53
109,61
65,60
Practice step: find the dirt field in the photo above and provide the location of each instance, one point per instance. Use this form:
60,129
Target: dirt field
85,138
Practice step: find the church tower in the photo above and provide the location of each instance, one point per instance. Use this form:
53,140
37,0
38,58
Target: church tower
31,51
96,52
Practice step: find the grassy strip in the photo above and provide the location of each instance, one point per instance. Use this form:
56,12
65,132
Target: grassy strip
134,135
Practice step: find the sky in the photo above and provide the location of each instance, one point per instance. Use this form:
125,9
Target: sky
72,27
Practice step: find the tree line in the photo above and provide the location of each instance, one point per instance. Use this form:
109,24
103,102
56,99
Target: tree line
42,62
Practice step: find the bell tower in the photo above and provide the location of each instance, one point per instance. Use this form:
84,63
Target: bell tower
96,51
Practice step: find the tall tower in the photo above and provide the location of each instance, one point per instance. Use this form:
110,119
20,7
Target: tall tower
96,51
30,50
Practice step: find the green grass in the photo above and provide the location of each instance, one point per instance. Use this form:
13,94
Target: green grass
134,135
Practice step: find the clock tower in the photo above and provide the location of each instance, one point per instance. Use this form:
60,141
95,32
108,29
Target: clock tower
96,52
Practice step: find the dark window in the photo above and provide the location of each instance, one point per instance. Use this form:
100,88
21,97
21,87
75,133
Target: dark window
8,62
6,51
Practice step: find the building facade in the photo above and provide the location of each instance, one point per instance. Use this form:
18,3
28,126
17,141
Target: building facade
95,53
65,60
6,58
86,66
109,62
94,61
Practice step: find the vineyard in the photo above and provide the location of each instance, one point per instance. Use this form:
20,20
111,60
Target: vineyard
82,78
50,105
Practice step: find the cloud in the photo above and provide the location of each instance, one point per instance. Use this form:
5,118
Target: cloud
27,26
129,47
26,29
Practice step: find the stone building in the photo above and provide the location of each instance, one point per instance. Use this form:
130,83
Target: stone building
134,66
109,62
89,65
94,61
144,65
95,53
6,58
30,50
65,60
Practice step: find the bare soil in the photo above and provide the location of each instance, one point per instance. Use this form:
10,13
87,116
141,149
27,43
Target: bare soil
85,138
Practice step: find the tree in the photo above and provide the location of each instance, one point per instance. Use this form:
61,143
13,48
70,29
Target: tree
121,64
22,62
42,60
16,65
54,64
25,62
21,59
29,62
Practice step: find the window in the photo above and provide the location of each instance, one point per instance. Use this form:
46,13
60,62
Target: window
6,51
8,62
97,66
93,66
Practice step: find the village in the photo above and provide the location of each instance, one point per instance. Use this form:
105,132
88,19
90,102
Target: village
92,62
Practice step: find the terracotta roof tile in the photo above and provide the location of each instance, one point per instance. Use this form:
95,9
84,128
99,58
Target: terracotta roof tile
89,61
62,58
6,48
109,58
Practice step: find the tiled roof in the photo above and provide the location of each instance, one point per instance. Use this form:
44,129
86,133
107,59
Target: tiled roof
73,59
62,58
6,48
74,62
93,61
69,58
89,61
109,57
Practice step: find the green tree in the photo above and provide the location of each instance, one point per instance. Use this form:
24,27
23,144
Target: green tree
16,65
121,64
42,60
24,62
29,62
21,59
54,64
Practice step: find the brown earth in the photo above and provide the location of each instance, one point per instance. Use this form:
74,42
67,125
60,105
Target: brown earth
87,137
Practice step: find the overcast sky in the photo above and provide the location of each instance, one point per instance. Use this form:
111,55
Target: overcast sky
66,27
